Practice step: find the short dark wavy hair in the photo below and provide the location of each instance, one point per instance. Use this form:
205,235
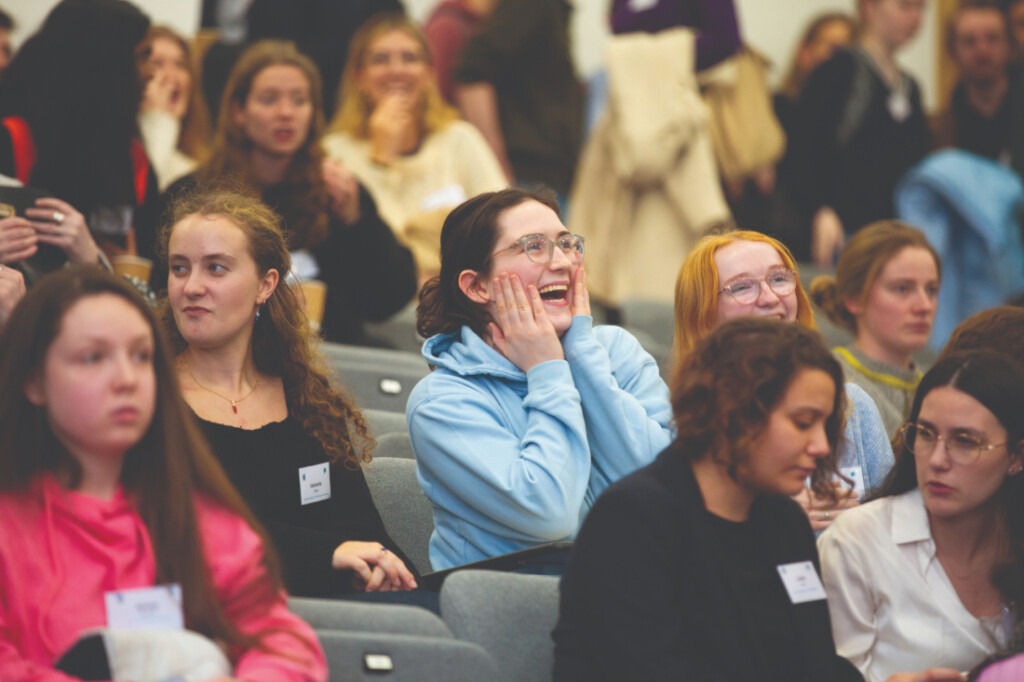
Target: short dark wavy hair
724,391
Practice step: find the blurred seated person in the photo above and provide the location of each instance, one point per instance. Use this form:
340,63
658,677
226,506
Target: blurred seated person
268,135
173,120
68,107
393,131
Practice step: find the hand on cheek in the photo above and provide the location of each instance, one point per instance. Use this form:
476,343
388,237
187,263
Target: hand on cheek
521,330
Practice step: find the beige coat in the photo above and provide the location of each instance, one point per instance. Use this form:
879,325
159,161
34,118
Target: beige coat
647,185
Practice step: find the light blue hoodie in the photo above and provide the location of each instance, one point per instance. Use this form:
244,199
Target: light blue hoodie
510,459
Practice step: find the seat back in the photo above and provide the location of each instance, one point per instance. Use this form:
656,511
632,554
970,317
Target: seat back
383,422
396,619
382,657
394,445
510,615
378,378
407,514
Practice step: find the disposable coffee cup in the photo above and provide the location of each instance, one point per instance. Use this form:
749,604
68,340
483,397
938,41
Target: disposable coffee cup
314,294
133,266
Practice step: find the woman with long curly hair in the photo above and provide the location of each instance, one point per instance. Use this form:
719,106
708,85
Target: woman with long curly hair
400,138
106,485
249,370
268,135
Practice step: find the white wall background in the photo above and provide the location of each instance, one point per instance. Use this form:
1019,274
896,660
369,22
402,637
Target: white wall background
772,26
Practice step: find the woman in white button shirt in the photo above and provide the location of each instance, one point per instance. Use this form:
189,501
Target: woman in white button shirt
925,575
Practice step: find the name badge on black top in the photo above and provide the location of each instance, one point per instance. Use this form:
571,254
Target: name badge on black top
802,582
315,483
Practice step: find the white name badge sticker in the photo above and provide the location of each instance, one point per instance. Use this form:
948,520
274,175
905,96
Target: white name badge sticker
855,474
452,195
315,483
801,581
145,608
642,5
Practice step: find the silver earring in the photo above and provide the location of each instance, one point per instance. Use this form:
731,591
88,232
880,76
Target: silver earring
258,312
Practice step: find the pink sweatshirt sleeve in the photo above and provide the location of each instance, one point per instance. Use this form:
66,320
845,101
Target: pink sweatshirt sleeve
290,650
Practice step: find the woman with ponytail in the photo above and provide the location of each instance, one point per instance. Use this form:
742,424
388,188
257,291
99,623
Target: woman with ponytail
884,292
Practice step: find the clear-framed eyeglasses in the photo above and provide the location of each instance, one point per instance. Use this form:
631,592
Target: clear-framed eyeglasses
782,281
961,446
540,249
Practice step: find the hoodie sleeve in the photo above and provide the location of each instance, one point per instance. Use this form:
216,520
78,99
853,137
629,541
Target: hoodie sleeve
289,651
625,401
865,442
526,485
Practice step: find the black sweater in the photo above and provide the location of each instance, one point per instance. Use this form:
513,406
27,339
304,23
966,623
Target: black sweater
263,464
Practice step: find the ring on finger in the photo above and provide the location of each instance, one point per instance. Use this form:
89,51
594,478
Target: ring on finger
828,516
383,550
58,217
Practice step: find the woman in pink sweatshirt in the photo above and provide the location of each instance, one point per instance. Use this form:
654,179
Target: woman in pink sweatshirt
106,486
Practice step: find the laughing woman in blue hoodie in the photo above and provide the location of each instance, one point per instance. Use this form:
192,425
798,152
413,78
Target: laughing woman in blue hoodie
530,411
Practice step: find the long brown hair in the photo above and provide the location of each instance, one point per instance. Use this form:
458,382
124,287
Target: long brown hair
282,343
194,140
164,472
307,199
354,109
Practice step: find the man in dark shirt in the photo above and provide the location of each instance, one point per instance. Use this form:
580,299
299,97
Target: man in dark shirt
516,83
984,105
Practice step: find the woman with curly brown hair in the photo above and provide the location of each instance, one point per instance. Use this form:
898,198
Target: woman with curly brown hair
268,134
682,569
249,370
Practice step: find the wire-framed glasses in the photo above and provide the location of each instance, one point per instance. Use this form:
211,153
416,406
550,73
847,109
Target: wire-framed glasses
782,281
540,249
962,447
